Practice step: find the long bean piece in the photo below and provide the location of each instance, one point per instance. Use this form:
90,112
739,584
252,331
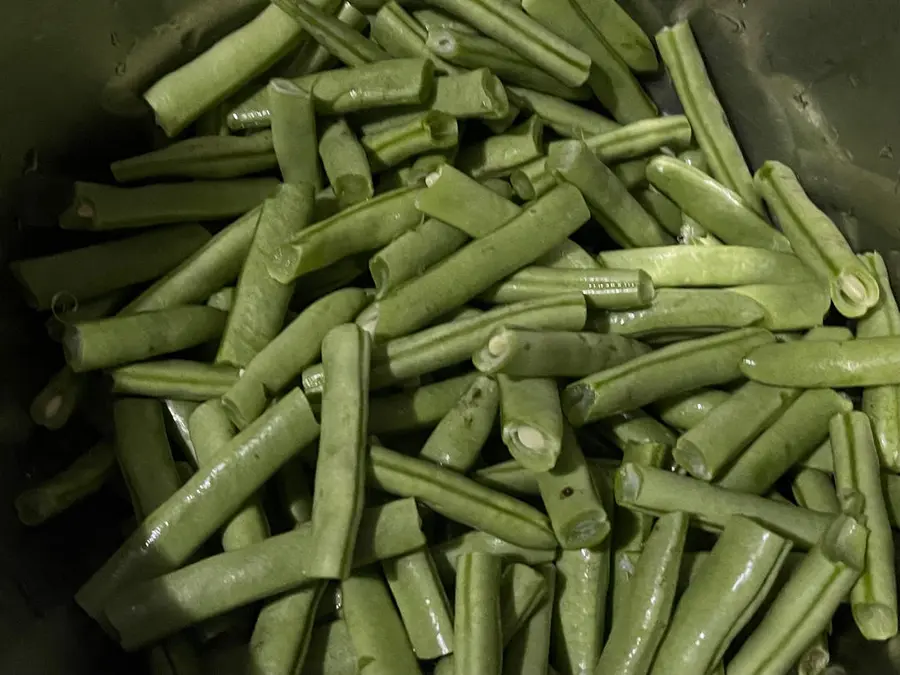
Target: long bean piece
425,132
602,289
182,380
565,118
294,132
687,410
346,165
401,35
499,155
622,33
419,408
477,623
447,553
529,650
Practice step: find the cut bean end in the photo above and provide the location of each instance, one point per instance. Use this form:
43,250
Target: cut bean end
875,621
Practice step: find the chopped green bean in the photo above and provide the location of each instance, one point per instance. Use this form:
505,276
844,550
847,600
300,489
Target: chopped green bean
418,408
531,421
313,57
283,632
663,209
565,118
632,529
477,621
636,428
522,591
789,306
183,380
294,132
447,554
602,288
346,165
478,94
529,650
55,403
330,651
686,411
499,155
621,32
401,35
424,133
509,477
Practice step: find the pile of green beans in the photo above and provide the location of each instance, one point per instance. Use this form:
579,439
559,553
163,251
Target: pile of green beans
484,339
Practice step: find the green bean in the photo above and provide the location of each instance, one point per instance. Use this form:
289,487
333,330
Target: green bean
686,411
177,414
65,310
531,421
148,610
459,498
283,632
509,477
805,604
529,649
337,92
663,209
105,343
622,569
340,475
55,403
363,227
469,50
818,242
295,495
668,371
346,165
447,554
566,119
476,266
568,256
185,94
718,603
515,29
184,380
214,265
99,207
681,55
794,435
433,19
651,590
418,408
401,35
168,536
412,253
294,132
621,32
610,203
522,591
477,622
331,651
499,155
503,124
530,353
425,132
636,428
222,299
602,288
693,233
820,459
337,37
273,368
882,404
313,57
457,440
632,529
261,303
375,628
79,480
856,470
814,489
862,362
789,306
719,210
422,602
674,310
709,266
610,79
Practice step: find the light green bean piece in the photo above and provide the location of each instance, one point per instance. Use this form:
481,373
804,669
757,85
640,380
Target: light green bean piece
294,132
814,489
401,35
565,118
477,622
499,155
446,554
183,380
529,650
602,288
424,133
687,410
418,408
621,32
789,306
346,164
522,591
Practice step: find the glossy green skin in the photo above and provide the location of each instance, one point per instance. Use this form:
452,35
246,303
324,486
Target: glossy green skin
788,307
476,94
294,132
446,554
375,628
418,408
181,380
611,204
639,628
658,491
814,489
718,603
544,353
794,435
636,428
856,470
457,440
705,266
509,477
715,207
459,498
283,631
668,371
106,343
522,591
363,227
566,119
602,289
426,132
340,473
94,271
631,528
684,62
477,266
401,35
170,535
850,363
529,650
346,164
98,207
687,410
146,611
477,623
532,405
663,209
805,605
261,302
499,155
422,602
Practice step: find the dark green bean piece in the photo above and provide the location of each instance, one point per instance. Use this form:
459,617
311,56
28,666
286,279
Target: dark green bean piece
424,133
611,204
422,602
106,207
856,471
433,19
320,283
657,491
418,408
184,380
270,371
668,371
566,119
663,209
805,605
111,342
79,480
65,310
602,289
375,628
631,528
509,477
522,592
531,420
477,621
686,411
529,650
338,38
313,57
457,440
531,353
331,651
622,33
789,306
294,132
710,266
447,554
401,35
818,242
146,611
636,428
55,403
223,299
363,227
499,155
459,498
346,165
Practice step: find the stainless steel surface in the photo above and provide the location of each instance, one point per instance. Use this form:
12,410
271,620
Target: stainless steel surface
810,82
